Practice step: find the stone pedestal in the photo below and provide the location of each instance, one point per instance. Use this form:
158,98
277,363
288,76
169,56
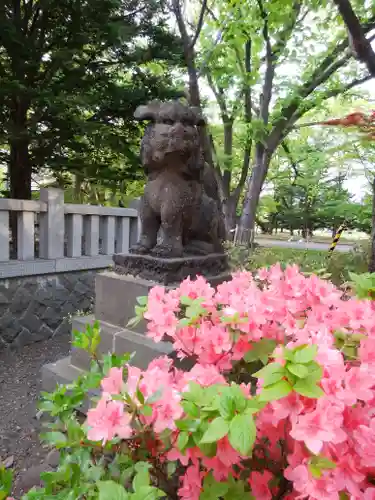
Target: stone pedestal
116,296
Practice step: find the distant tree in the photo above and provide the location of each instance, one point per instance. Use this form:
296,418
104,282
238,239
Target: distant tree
72,73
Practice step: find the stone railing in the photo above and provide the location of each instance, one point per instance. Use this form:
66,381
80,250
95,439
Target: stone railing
55,237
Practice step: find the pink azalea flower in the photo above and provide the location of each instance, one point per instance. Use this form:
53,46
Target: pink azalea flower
107,420
348,476
191,484
113,383
322,425
369,494
314,489
260,485
365,441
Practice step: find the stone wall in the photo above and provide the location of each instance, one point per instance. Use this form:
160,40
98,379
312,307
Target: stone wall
35,308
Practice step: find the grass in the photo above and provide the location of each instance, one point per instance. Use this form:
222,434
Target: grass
338,265
319,238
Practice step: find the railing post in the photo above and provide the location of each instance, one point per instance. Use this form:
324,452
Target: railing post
26,235
51,239
91,235
4,235
135,222
122,235
108,235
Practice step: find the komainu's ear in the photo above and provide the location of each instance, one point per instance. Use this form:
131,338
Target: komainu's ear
147,112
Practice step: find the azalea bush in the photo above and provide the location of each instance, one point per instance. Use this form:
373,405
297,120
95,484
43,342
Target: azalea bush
279,402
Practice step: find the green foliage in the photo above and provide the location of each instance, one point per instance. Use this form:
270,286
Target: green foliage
86,469
216,412
319,464
300,373
119,470
5,483
72,75
336,267
363,285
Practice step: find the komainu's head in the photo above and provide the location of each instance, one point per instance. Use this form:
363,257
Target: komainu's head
171,139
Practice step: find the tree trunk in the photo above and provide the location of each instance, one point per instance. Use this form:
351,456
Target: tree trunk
19,166
20,170
230,213
371,266
253,190
216,190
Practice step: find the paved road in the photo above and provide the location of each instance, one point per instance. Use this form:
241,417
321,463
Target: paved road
341,247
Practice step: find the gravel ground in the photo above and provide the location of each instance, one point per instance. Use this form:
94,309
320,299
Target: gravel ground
20,385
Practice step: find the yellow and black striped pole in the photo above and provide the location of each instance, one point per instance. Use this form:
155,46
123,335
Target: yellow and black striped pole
336,238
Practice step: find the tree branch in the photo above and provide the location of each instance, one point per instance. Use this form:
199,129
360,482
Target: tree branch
328,66
199,24
293,164
361,45
248,118
331,93
219,96
270,68
176,7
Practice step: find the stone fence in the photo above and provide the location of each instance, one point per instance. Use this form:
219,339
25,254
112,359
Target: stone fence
48,273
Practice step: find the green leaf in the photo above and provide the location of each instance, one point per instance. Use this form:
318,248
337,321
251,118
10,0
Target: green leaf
315,371
182,441
185,300
148,493
305,354
275,391
217,429
54,437
109,490
308,388
242,433
171,468
187,424
134,321
190,409
140,396
288,354
142,478
300,371
323,462
156,396
271,373
343,495
142,301
195,394
208,449
315,471
146,411
212,489
260,350
6,477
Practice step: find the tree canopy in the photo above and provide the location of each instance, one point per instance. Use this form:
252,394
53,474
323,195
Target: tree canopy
72,73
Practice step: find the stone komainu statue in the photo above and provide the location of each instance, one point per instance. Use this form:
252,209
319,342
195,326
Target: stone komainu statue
178,217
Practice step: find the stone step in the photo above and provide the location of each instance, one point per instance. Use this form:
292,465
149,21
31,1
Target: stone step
63,372
118,340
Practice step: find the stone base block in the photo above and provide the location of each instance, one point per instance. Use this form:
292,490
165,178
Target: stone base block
171,271
119,340
116,296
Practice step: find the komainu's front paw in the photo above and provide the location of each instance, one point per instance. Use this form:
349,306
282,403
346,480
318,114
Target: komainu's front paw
139,249
167,251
